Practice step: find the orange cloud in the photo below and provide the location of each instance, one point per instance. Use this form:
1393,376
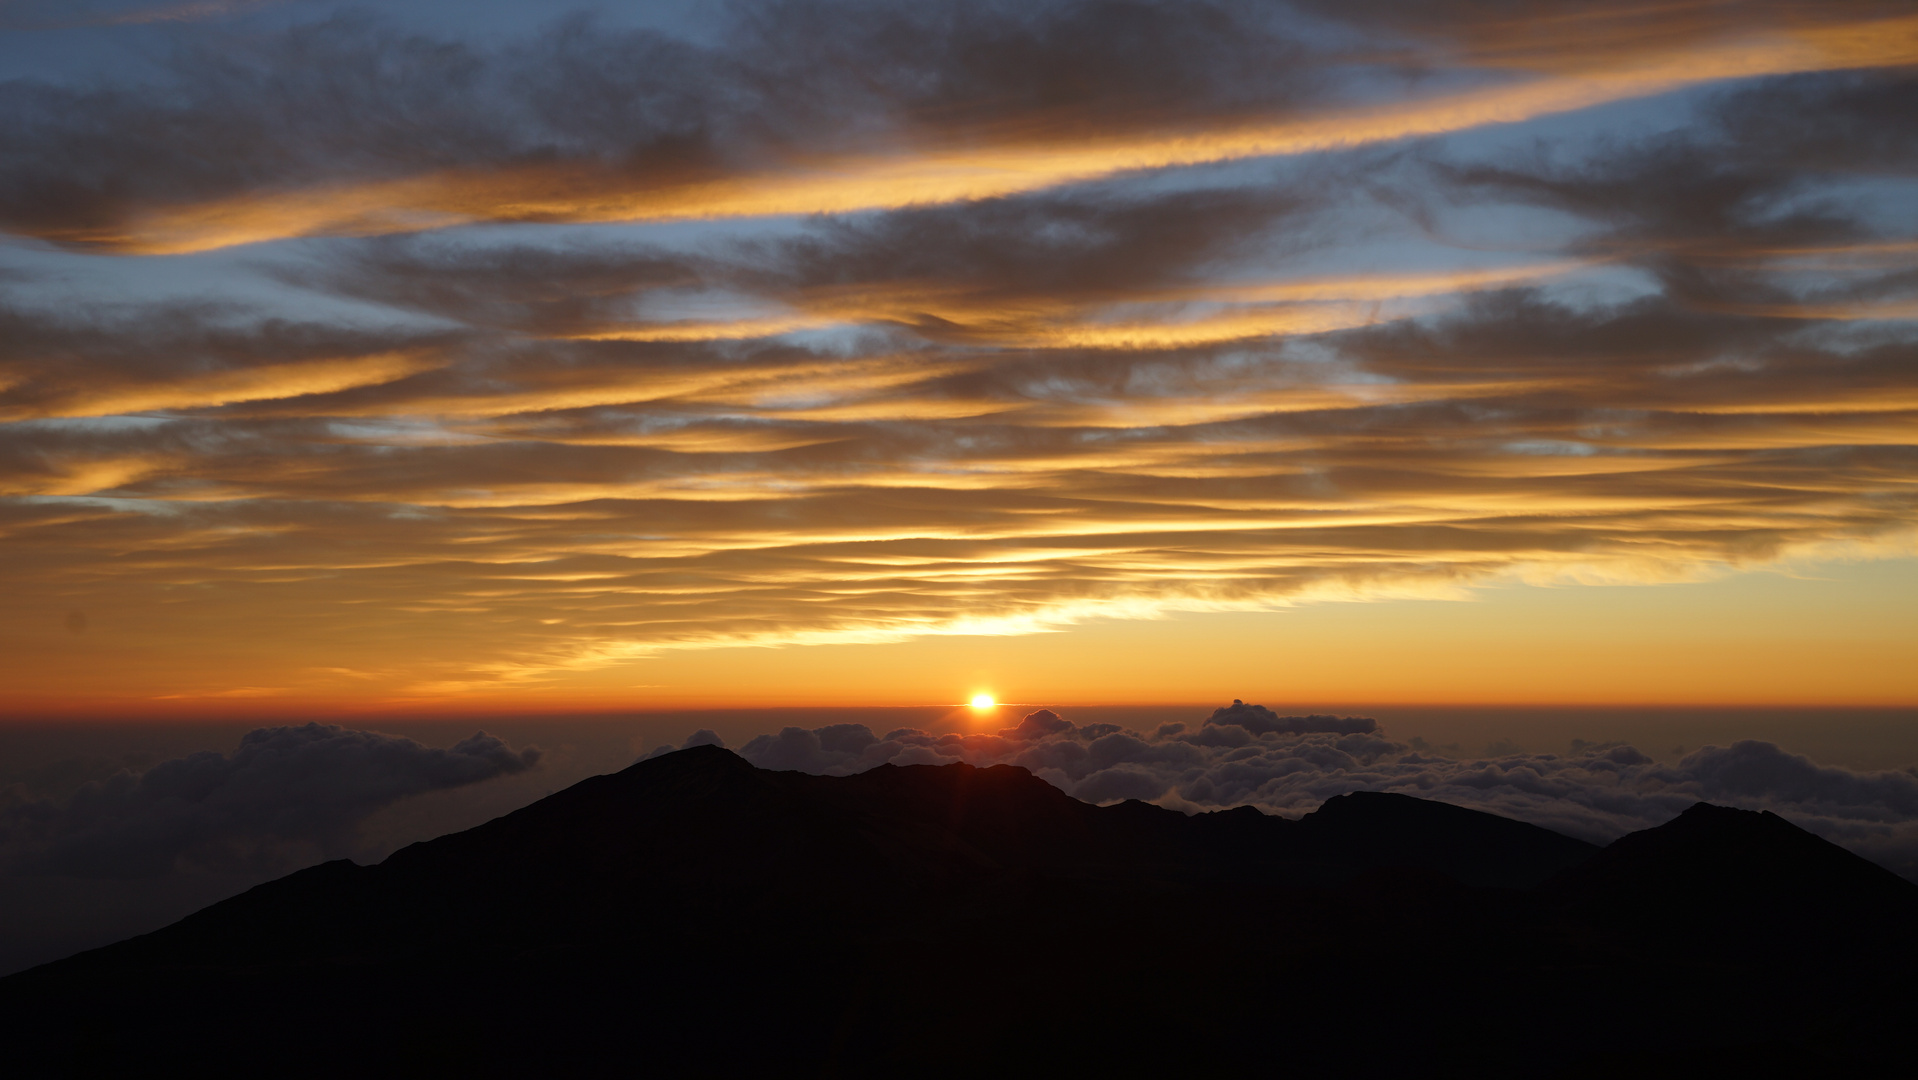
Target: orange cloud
264,382
1034,414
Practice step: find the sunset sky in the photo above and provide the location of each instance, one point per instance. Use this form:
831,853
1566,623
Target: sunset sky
476,357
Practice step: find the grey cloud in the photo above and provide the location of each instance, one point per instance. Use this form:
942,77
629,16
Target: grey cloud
83,158
942,273
796,748
29,15
82,362
1039,724
1259,720
609,110
1847,123
542,290
286,796
620,109
979,65
1100,242
1726,212
1119,783
1750,769
1246,755
1540,34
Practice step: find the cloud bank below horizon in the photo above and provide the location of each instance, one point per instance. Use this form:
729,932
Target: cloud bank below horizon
285,798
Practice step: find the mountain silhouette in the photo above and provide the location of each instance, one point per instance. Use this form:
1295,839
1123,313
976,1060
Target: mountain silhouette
1717,878
693,914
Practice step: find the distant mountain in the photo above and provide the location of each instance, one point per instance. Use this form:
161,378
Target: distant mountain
1716,878
695,914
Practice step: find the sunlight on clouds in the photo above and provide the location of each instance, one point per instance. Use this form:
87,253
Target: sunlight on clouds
80,477
950,391
581,193
261,383
1238,310
689,439
698,330
1834,401
1227,402
1386,286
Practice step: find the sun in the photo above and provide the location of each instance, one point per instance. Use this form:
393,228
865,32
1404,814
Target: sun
982,701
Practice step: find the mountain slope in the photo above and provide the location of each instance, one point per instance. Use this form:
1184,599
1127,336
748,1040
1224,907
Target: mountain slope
694,913
1717,879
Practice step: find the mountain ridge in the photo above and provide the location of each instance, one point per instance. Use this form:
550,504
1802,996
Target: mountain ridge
690,889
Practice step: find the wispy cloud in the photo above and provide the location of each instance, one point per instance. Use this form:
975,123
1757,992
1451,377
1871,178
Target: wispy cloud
770,123
1188,388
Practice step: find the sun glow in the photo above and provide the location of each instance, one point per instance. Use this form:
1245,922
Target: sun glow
982,701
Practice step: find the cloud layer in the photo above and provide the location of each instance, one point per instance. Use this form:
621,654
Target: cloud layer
979,318
822,107
285,798
1246,755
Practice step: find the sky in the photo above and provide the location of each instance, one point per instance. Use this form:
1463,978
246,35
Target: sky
1457,364
674,355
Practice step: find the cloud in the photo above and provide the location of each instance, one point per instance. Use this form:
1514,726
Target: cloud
451,461
1260,720
1041,270
287,796
184,357
66,14
810,107
427,132
1246,755
1587,34
693,494
1749,212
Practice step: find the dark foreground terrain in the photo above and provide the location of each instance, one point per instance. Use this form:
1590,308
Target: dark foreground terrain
693,915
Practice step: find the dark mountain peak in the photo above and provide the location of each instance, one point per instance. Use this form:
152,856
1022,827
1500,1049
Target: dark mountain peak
1758,842
860,915
1236,813
956,775
691,762
957,795
997,819
1723,819
695,773
1377,804
1721,833
707,755
1141,811
1717,877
